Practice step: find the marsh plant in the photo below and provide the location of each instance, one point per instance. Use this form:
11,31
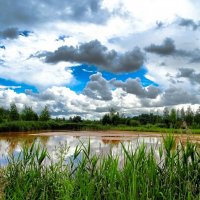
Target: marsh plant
174,175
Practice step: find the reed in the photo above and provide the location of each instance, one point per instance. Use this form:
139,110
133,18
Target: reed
172,173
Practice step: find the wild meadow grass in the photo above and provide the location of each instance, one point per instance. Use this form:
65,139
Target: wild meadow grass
173,172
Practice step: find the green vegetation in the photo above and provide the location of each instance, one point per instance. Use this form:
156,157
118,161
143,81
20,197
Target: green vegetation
177,121
17,126
169,119
173,173
13,114
45,115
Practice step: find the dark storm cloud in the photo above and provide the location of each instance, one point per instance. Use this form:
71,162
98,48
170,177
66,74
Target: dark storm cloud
188,23
13,33
95,53
134,86
195,56
177,95
2,61
98,88
26,13
182,22
185,72
159,25
171,97
106,109
2,47
9,33
190,74
166,48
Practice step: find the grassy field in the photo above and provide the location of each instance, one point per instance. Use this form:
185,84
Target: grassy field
173,173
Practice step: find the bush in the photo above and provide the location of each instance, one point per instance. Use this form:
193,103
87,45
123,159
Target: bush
134,123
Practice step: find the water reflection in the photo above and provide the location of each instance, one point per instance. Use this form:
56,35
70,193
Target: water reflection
100,143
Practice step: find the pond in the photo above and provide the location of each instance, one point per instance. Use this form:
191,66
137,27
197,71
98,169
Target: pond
101,142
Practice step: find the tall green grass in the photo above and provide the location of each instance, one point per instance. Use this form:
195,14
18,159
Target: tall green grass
18,126
2,183
171,173
15,126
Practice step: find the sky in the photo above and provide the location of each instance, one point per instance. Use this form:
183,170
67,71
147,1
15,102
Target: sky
84,57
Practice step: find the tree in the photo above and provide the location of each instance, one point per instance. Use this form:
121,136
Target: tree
115,119
114,116
178,114
173,117
13,114
106,119
189,117
28,114
45,115
166,112
4,114
182,114
197,117
76,119
112,111
166,117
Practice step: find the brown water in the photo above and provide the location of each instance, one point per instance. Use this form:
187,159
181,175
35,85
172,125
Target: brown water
102,142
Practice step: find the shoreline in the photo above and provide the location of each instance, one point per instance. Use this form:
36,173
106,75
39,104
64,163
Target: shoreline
107,134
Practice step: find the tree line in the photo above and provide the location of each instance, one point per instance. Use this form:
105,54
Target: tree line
170,118
27,114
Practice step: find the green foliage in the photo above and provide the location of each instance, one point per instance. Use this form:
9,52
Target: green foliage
197,118
166,118
189,117
13,114
28,114
173,173
45,115
48,125
172,117
75,119
145,122
134,122
4,115
112,118
106,119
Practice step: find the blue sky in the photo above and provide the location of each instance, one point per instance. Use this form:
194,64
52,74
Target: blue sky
134,56
82,75
22,87
83,72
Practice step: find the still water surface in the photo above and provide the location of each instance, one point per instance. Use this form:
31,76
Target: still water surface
101,142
